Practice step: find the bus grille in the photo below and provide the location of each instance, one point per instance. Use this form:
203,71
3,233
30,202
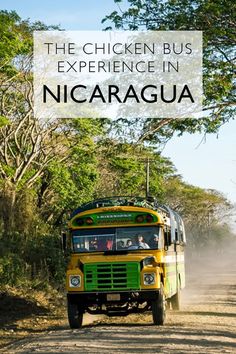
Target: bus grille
112,276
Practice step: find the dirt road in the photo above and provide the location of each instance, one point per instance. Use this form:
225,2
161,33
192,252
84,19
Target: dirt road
206,324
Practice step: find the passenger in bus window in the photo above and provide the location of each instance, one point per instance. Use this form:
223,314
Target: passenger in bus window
141,242
129,243
109,244
93,245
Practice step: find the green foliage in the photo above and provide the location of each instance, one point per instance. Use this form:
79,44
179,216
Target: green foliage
11,44
11,269
122,169
16,39
36,260
4,121
217,21
70,181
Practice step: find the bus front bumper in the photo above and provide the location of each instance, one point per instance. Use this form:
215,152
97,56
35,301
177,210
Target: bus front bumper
99,298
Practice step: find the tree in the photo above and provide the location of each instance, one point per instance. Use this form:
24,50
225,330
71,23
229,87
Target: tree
205,212
71,181
34,153
122,168
217,20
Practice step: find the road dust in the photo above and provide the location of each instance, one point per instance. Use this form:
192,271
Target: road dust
205,324
208,271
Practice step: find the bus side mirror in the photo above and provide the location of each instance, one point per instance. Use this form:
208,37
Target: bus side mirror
63,241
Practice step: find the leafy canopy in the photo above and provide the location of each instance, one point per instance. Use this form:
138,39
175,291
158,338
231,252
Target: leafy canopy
217,20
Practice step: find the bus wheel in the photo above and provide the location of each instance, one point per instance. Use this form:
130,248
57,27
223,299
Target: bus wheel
75,315
159,308
175,300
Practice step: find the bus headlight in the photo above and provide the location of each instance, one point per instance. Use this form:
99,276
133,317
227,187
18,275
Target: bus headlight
149,278
74,281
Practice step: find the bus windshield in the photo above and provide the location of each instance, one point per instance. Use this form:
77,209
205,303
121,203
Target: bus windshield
117,239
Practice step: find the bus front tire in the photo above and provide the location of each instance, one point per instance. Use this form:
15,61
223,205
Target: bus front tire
159,308
75,315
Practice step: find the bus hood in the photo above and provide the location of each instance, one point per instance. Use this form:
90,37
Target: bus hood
84,259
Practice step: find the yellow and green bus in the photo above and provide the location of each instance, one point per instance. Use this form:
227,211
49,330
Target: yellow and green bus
127,257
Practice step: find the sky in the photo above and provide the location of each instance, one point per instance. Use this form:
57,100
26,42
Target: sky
70,14
208,164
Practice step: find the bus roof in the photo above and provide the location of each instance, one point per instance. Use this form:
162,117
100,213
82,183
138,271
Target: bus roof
116,201
143,202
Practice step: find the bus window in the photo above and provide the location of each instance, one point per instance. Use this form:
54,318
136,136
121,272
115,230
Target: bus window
118,238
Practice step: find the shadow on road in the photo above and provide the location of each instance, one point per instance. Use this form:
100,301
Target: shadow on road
14,308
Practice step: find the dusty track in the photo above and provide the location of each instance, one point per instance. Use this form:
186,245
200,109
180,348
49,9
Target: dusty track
206,324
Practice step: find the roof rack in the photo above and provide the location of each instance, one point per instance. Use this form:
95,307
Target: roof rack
148,202
143,202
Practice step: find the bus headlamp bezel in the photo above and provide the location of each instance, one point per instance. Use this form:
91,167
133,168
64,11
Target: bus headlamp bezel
149,278
75,281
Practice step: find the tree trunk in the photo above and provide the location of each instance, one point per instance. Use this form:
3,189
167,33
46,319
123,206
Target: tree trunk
7,207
